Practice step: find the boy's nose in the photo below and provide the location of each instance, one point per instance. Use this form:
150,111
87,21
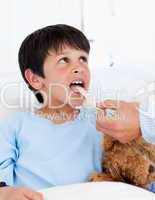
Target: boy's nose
77,71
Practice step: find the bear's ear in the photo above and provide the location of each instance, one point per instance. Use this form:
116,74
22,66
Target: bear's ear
108,142
151,171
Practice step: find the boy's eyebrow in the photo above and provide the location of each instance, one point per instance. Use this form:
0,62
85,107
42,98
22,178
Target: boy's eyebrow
82,54
67,52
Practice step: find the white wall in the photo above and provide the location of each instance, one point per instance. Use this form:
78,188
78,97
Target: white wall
20,18
124,35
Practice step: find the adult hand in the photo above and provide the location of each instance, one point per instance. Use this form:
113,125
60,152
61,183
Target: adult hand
19,193
125,125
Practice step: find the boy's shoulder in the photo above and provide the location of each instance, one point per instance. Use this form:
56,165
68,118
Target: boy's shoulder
13,116
11,124
13,120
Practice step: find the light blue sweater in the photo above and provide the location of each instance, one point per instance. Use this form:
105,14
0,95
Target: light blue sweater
38,154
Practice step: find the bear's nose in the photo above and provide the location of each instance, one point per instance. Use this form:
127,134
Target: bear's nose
151,169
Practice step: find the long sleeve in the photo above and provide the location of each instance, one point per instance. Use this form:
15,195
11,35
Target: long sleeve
8,150
147,125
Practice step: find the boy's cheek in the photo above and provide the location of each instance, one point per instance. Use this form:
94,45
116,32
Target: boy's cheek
88,81
54,94
59,92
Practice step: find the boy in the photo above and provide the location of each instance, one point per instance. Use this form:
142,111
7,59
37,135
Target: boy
39,150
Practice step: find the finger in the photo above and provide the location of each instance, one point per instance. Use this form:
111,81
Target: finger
109,104
108,113
32,195
104,122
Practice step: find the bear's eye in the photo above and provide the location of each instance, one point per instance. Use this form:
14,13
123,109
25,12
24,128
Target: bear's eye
151,169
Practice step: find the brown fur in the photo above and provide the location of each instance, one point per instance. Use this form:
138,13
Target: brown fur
132,163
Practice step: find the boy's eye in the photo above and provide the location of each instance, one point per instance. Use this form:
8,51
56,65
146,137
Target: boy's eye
63,60
83,59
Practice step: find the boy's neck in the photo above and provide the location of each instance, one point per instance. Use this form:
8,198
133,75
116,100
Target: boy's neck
59,115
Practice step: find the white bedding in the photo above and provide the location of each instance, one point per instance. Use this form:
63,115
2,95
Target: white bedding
97,191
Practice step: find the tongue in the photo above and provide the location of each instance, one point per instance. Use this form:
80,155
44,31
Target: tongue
75,88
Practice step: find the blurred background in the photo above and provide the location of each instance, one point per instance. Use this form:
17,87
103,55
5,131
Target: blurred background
121,33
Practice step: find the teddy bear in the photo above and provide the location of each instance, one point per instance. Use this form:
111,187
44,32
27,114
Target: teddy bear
132,163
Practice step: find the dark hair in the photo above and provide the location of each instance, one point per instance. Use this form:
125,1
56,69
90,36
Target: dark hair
35,47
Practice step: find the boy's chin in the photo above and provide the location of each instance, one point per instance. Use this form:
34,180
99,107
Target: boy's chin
76,104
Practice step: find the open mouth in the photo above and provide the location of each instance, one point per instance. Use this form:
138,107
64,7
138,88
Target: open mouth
77,83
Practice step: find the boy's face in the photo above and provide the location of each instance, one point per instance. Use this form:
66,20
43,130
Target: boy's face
63,71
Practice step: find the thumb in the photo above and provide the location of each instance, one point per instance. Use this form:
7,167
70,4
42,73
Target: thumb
106,122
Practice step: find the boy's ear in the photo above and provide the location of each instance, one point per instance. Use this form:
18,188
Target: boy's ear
33,79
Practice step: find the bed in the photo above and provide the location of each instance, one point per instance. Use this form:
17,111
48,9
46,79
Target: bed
97,191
